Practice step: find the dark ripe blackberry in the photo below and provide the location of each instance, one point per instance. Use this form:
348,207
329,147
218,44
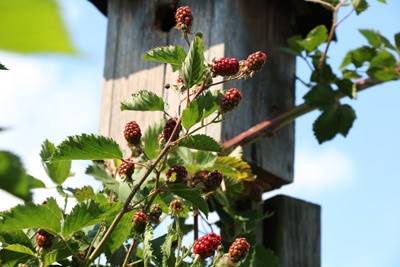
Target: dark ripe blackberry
226,66
177,174
169,128
212,181
239,249
132,133
207,245
230,100
126,169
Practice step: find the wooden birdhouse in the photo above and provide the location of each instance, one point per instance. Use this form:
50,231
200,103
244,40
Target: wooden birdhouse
231,28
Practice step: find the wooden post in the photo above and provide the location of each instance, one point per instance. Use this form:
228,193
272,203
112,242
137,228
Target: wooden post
293,232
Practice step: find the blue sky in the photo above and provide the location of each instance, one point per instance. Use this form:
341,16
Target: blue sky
354,179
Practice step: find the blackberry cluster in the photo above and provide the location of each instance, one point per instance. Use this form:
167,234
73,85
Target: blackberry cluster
184,18
239,249
169,128
132,133
139,222
126,169
230,100
207,245
255,61
44,239
177,174
226,67
212,181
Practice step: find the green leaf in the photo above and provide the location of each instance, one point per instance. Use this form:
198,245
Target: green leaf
120,233
358,56
262,256
11,258
383,59
98,171
57,171
347,87
320,96
147,246
168,255
20,249
2,67
37,26
314,38
234,167
87,147
334,120
15,237
144,101
359,5
397,40
190,195
382,67
14,179
201,142
294,45
323,75
173,54
201,108
30,216
151,146
193,67
86,214
375,39
84,193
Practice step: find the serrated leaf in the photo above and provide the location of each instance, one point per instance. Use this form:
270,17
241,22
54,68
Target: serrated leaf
14,179
15,237
234,167
98,171
320,96
168,256
263,257
359,5
358,56
375,39
314,38
2,67
147,246
323,75
347,87
30,216
383,74
383,59
173,54
201,108
37,26
190,195
382,67
57,171
20,249
144,101
86,214
151,145
201,142
334,120
87,147
84,193
193,68
350,74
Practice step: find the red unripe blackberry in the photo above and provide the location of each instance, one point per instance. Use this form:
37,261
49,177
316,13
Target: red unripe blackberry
226,66
212,181
230,100
184,18
139,221
177,174
132,133
239,249
255,61
169,128
44,239
207,245
126,169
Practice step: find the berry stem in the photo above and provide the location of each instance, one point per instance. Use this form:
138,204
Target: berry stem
270,126
131,249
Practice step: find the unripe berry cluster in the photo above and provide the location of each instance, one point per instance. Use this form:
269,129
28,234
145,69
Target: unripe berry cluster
126,169
230,100
239,249
139,221
44,239
226,67
207,245
255,61
132,133
184,18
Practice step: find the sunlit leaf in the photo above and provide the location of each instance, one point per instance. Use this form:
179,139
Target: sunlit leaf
314,38
193,68
359,5
201,142
150,139
87,147
173,54
144,101
358,56
33,26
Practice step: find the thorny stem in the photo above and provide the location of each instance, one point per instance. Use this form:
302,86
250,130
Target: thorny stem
270,126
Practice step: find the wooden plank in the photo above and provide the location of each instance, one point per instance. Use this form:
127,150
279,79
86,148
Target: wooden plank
293,232
231,29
